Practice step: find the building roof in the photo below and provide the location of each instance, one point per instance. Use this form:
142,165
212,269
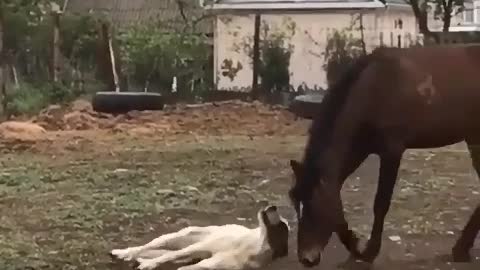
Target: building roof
306,4
296,4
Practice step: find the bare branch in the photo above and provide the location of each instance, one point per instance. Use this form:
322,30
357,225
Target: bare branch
200,19
181,8
420,10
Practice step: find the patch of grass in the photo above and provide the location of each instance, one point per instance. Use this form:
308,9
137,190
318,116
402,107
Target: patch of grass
66,210
26,99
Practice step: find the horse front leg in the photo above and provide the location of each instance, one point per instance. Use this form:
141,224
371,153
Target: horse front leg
348,237
461,250
389,165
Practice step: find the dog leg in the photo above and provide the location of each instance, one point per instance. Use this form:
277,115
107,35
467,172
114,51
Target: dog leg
193,251
171,241
153,253
217,262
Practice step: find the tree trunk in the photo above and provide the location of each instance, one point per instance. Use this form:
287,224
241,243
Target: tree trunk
446,23
104,63
256,57
3,83
447,14
55,65
420,10
362,35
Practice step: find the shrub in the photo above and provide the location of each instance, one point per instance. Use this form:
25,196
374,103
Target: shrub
275,63
341,51
152,58
26,99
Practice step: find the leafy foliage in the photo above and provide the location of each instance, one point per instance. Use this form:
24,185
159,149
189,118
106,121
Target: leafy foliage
275,63
28,42
275,52
26,99
341,50
79,39
440,7
152,58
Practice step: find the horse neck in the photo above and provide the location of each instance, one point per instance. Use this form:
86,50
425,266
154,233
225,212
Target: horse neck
318,142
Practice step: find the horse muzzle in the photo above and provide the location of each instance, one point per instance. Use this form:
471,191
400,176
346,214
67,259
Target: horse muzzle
310,258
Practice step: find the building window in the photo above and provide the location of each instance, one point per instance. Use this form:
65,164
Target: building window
468,16
381,39
398,24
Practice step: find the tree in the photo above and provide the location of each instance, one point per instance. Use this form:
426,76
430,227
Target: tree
443,9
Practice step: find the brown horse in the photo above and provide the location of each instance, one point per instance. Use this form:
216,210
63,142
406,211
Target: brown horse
388,101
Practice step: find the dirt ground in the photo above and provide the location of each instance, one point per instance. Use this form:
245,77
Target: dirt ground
92,182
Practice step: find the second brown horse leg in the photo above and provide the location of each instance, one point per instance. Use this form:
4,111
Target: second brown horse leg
389,164
461,250
347,237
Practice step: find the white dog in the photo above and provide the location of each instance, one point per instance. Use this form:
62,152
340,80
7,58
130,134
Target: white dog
230,246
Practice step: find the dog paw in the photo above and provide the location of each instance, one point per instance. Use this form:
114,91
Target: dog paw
146,264
122,254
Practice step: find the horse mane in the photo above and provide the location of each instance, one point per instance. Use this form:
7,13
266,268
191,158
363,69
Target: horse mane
330,107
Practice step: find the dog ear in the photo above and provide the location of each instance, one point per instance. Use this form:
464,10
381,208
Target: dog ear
294,164
273,217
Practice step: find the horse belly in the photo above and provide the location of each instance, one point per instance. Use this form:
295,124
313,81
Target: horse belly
440,129
423,141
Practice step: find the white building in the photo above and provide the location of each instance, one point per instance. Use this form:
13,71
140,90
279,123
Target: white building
306,24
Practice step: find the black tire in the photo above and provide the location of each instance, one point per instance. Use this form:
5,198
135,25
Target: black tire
123,102
306,106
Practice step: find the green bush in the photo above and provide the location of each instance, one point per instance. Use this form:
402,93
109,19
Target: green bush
151,58
79,40
31,98
275,63
26,99
28,40
341,51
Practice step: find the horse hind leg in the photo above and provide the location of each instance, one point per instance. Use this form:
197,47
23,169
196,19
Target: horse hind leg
461,249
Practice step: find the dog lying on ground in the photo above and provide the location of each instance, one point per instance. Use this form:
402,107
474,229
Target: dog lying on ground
228,246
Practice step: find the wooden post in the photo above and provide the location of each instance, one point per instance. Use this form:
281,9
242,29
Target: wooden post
55,65
106,59
256,57
3,78
112,64
1,34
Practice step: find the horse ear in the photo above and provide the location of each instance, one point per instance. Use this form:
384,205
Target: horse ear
295,165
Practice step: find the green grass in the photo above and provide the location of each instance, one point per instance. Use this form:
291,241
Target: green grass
67,209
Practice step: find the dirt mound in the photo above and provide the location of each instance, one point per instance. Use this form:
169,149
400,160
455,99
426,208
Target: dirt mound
230,117
21,131
78,116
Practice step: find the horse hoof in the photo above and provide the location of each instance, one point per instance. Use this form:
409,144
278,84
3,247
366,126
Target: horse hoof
354,263
348,263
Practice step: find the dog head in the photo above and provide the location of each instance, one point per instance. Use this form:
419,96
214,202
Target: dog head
277,230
